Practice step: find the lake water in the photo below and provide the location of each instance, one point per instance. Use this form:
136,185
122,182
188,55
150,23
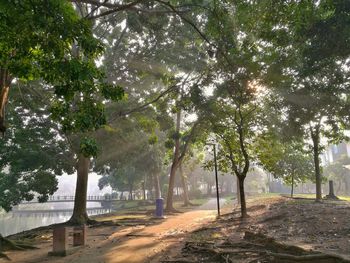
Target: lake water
29,216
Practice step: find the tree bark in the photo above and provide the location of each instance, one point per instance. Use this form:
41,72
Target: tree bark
315,136
242,197
174,166
5,81
157,186
144,190
130,192
184,187
238,192
80,215
170,195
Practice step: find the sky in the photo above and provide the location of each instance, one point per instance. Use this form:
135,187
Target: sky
66,185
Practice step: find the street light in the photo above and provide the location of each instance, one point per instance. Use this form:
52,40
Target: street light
216,176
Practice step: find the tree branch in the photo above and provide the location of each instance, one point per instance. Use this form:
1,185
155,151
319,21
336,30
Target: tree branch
107,4
186,146
144,106
241,143
186,20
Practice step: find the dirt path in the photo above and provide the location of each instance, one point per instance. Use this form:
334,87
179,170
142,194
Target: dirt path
127,244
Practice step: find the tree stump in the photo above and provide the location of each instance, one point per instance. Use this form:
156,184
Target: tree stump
331,195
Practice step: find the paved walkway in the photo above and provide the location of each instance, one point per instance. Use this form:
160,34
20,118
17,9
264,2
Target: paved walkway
212,204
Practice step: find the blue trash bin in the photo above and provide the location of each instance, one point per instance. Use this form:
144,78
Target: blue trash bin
159,207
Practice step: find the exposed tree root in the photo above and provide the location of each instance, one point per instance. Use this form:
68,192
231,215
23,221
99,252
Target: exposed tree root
2,255
179,260
331,197
255,247
7,244
271,244
172,211
319,258
73,221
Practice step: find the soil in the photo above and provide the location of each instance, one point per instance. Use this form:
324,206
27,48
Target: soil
278,229
129,240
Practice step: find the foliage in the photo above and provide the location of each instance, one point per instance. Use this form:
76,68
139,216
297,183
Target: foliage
338,171
53,43
288,161
33,152
128,157
309,77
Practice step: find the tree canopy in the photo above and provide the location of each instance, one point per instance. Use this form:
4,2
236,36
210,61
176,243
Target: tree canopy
131,86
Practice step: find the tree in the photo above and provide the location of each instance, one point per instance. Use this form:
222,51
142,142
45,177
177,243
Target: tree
35,152
186,171
287,160
181,146
311,83
55,45
133,151
233,111
339,172
169,57
235,123
137,164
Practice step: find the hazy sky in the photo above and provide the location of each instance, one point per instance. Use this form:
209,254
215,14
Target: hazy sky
66,185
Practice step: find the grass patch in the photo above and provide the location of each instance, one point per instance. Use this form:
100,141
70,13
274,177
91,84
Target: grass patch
313,197
266,195
229,198
200,201
344,198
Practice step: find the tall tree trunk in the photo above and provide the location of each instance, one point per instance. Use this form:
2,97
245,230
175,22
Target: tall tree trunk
80,215
5,81
157,186
238,191
315,136
130,192
175,164
144,190
242,196
170,195
184,187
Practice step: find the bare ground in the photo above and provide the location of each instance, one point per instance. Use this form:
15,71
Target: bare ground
279,229
129,240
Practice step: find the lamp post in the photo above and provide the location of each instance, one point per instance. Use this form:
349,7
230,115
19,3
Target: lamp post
216,177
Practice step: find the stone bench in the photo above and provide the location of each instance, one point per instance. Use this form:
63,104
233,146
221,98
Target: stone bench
61,238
